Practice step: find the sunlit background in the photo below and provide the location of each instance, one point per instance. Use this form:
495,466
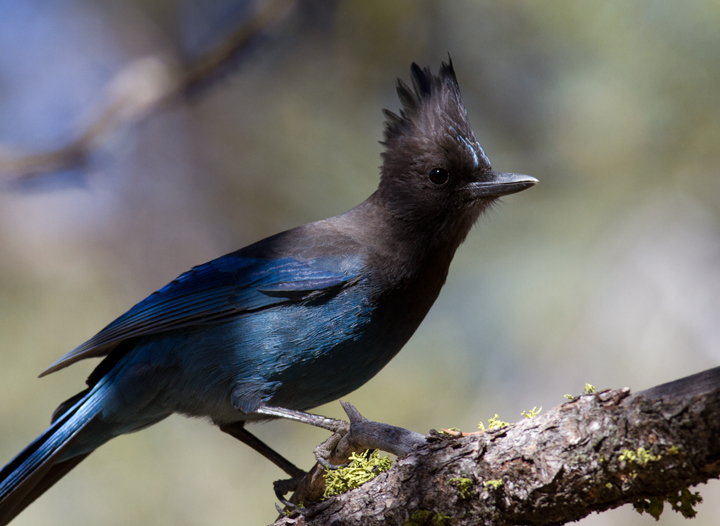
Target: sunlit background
607,272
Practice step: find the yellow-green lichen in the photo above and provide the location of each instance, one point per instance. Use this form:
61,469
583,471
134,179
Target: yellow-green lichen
588,389
627,456
464,486
640,458
683,502
427,518
533,412
360,470
493,423
653,506
290,511
494,484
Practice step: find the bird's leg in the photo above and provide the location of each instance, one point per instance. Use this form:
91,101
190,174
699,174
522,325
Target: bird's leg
360,434
281,487
237,430
330,424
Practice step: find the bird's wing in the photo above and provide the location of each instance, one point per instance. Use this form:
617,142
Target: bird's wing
224,288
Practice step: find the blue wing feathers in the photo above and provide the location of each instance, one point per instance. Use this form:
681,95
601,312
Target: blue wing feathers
300,289
229,286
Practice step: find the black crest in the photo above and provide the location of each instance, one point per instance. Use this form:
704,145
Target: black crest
432,110
432,128
431,96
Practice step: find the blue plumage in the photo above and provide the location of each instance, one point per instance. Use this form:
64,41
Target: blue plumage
292,321
229,286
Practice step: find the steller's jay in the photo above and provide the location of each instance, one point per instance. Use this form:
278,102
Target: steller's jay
290,322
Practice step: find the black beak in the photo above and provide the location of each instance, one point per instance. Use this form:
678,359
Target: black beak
502,184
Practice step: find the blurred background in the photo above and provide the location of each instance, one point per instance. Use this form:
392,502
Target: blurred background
607,272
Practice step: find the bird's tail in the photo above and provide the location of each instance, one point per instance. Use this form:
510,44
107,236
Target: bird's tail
53,454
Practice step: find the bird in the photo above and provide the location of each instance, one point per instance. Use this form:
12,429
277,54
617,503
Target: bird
290,322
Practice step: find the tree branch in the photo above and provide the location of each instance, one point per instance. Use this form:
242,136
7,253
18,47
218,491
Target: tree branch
594,453
139,90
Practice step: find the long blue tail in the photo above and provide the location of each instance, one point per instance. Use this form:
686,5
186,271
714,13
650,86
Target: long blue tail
37,467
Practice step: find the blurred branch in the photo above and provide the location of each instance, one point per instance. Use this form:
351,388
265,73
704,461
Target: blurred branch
595,453
140,90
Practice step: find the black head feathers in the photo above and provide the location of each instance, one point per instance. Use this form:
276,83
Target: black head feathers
428,90
433,105
432,111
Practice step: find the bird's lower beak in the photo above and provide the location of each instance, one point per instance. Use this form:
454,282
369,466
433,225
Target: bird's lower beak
502,184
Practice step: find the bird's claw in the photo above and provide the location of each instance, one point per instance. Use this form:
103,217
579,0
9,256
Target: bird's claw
359,434
327,450
362,434
324,463
285,486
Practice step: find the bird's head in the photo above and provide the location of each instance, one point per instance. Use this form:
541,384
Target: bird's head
434,172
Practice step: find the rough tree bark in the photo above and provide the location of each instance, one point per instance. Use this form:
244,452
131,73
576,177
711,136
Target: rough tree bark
594,453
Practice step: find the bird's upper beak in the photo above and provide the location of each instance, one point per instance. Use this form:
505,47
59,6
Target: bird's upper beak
501,184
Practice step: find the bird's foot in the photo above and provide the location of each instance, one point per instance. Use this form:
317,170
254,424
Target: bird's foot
362,434
358,435
285,486
327,452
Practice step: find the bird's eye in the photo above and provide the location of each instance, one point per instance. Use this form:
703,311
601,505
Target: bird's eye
439,175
